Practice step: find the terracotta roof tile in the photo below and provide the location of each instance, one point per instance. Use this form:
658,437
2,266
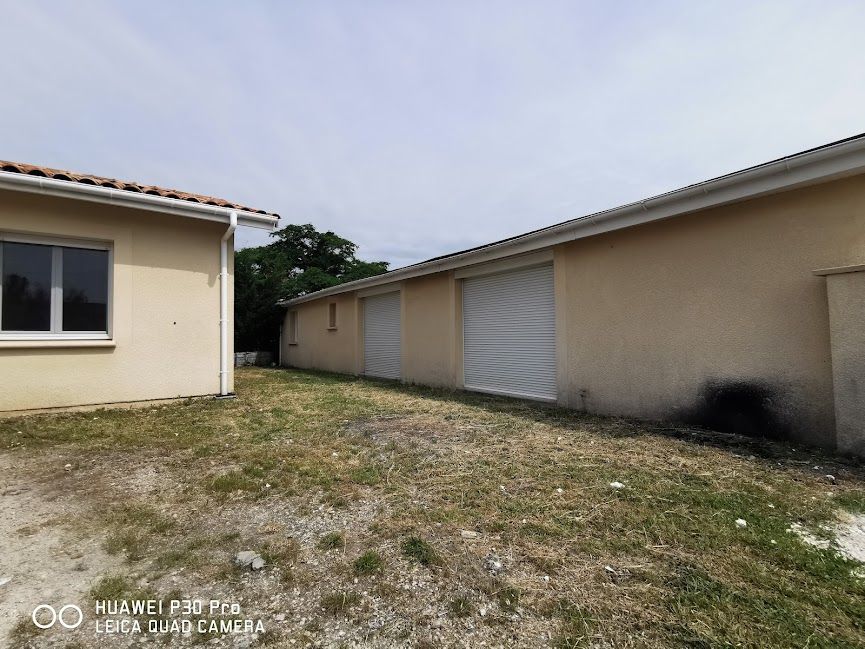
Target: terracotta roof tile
112,183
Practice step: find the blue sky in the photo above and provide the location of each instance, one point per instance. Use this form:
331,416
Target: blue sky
420,128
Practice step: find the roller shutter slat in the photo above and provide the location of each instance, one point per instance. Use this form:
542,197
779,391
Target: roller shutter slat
509,333
382,336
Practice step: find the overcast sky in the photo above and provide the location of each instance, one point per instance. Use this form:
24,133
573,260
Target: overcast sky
421,128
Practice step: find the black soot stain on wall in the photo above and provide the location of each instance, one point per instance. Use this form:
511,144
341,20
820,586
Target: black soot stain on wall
746,407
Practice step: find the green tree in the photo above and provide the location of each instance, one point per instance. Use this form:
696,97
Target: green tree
300,260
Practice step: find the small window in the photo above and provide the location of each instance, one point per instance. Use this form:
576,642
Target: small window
49,291
292,327
331,315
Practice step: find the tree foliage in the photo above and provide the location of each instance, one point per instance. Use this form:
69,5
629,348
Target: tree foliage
300,260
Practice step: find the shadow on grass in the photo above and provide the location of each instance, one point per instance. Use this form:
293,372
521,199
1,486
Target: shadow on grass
780,453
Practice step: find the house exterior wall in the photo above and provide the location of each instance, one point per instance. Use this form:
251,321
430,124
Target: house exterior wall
684,318
429,330
333,350
164,313
713,317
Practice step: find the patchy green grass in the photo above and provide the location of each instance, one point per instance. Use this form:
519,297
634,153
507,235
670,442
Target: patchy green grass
141,515
24,631
508,598
366,475
111,587
417,549
280,552
339,603
233,481
852,501
130,542
332,541
658,563
134,529
190,554
577,626
369,563
461,606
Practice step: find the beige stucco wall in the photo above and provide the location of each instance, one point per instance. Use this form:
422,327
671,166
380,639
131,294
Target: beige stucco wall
713,317
319,347
165,312
671,319
428,331
846,292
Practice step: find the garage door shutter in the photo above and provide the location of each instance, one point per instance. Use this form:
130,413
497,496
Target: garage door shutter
381,336
509,333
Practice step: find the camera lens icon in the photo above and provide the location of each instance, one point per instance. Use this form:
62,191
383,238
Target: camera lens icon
63,616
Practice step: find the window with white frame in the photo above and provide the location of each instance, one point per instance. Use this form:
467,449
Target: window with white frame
53,289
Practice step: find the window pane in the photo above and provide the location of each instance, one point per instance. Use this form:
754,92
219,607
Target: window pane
26,301
85,290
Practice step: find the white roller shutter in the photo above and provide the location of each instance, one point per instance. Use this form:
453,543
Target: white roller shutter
509,333
381,336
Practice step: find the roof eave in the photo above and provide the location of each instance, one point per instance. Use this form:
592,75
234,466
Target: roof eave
124,198
824,164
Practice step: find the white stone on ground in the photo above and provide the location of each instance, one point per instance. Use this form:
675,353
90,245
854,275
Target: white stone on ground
249,559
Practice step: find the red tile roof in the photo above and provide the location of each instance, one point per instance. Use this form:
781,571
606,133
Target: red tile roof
112,183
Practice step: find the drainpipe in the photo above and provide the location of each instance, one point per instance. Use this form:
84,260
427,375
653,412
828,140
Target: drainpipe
223,305
279,351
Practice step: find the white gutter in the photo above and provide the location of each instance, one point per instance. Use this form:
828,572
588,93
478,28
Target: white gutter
223,304
831,162
125,198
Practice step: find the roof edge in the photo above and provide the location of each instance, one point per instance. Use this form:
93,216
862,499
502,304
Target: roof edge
154,203
823,164
839,270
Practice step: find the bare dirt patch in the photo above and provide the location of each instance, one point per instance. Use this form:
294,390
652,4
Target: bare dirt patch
44,559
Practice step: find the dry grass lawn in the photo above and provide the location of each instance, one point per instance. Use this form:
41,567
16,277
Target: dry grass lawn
393,515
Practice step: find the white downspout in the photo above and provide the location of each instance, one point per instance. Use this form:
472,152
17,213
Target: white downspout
223,305
279,349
